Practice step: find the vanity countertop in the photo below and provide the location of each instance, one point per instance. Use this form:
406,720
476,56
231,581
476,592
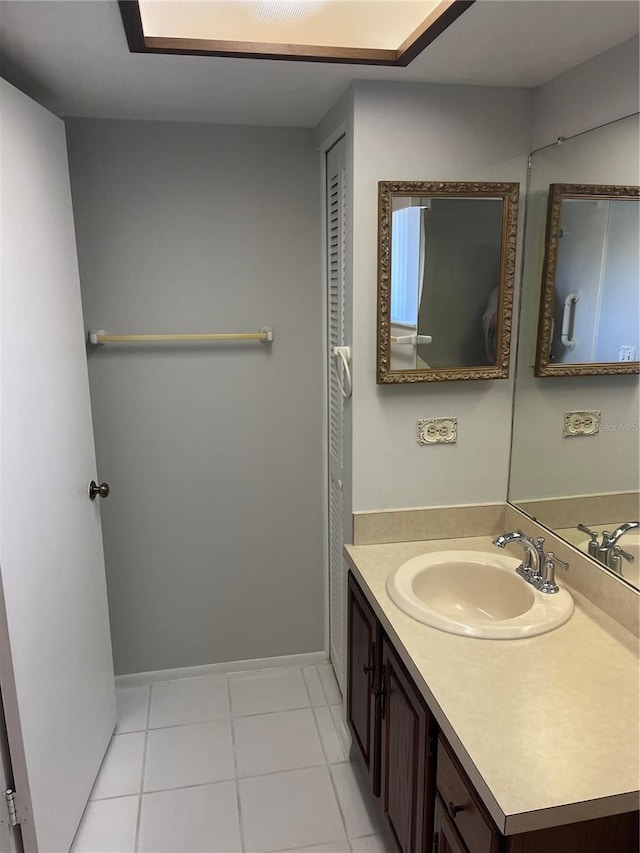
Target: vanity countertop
546,727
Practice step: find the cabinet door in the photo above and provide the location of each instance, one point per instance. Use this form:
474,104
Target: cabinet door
446,838
363,677
406,777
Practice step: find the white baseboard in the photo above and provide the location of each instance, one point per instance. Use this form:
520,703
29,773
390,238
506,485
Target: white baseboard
140,679
344,735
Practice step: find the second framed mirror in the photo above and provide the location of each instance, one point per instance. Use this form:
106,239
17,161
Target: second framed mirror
590,299
446,269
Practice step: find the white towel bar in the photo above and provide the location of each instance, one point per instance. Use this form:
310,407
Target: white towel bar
97,337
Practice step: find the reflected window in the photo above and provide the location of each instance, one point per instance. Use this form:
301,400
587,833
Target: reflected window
405,265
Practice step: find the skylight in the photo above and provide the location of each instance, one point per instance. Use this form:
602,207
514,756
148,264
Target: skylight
379,32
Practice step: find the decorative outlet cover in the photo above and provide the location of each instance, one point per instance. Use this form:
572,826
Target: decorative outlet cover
581,423
436,430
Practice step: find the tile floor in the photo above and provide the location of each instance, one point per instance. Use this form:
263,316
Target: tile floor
243,763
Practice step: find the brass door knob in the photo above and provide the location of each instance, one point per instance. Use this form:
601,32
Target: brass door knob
95,490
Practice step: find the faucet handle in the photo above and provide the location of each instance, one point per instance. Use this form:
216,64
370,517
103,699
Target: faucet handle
548,582
584,529
627,556
551,556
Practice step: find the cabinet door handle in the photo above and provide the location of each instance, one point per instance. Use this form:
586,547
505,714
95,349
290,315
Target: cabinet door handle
370,668
381,693
453,810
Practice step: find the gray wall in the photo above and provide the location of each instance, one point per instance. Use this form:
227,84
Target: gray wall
214,453
417,132
604,88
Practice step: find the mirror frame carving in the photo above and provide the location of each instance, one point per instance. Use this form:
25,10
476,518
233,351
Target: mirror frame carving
558,192
509,193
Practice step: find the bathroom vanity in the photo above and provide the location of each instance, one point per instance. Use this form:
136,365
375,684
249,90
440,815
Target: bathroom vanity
491,746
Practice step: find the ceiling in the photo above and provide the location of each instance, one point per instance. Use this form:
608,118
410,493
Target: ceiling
72,56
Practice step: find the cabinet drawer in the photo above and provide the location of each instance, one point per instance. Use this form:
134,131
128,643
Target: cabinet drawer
446,837
475,827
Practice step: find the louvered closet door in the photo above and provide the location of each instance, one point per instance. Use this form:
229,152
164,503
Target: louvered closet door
336,182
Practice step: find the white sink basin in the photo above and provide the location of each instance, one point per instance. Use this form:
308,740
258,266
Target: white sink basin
476,595
630,543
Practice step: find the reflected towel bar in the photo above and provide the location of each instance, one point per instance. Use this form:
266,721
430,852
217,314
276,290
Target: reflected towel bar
411,340
97,337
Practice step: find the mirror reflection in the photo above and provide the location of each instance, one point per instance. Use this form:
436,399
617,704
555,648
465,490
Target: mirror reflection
590,281
583,482
447,259
454,244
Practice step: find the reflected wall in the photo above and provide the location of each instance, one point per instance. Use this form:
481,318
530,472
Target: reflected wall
593,479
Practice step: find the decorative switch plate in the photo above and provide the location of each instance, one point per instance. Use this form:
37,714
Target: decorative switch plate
581,423
436,430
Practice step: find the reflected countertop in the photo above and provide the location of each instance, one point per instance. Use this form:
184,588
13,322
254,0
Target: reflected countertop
546,727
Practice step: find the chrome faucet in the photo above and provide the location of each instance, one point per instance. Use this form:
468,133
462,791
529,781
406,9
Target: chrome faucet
608,552
593,546
548,581
532,565
615,559
620,531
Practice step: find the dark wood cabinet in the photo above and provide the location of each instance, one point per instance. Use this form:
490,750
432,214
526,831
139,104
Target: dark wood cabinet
363,681
445,837
428,809
406,756
467,822
465,809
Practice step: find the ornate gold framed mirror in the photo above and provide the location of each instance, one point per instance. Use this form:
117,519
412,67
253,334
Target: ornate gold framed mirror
446,269
590,298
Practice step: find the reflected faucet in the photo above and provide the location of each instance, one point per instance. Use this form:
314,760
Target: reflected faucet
620,531
608,552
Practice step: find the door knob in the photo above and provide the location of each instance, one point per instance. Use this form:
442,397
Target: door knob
95,490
